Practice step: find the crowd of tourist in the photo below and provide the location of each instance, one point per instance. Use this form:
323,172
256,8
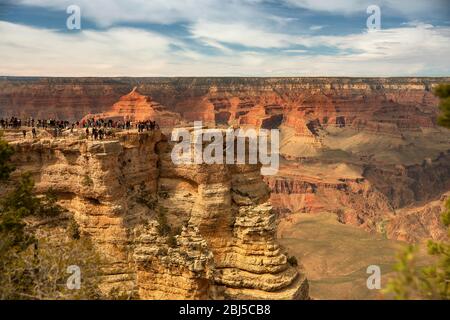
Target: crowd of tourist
12,123
96,129
123,125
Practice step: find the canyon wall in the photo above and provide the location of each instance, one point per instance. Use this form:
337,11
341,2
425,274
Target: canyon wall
100,184
404,102
362,148
136,107
401,202
165,231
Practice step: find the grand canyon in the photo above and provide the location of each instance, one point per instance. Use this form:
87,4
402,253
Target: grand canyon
364,170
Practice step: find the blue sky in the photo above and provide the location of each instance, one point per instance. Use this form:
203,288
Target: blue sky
224,38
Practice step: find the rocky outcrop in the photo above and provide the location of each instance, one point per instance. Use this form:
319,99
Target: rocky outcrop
66,99
100,183
166,231
414,224
403,202
225,209
183,270
136,107
406,185
354,201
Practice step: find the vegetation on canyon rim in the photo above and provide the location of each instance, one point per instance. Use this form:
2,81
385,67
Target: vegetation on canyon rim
30,266
432,281
443,92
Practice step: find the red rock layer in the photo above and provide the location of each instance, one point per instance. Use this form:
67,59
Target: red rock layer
65,99
136,107
376,104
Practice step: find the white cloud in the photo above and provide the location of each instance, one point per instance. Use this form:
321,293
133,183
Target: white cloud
316,28
110,12
405,8
240,34
118,51
408,51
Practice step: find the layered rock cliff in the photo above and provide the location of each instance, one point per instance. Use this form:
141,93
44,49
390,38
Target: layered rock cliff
398,102
225,209
166,231
99,183
402,201
363,148
136,107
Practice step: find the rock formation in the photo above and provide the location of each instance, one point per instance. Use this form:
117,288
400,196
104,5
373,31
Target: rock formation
224,209
136,107
417,223
384,129
405,185
403,202
67,99
99,183
166,231
354,200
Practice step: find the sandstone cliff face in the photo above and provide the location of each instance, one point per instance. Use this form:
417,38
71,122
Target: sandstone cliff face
405,185
65,99
225,209
225,246
99,183
403,202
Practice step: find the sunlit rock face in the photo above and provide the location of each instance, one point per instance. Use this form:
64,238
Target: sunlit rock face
136,107
228,230
99,182
363,148
221,242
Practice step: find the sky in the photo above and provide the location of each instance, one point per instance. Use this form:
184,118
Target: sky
263,38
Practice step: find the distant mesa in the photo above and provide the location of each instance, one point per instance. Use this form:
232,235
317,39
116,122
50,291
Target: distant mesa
136,107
